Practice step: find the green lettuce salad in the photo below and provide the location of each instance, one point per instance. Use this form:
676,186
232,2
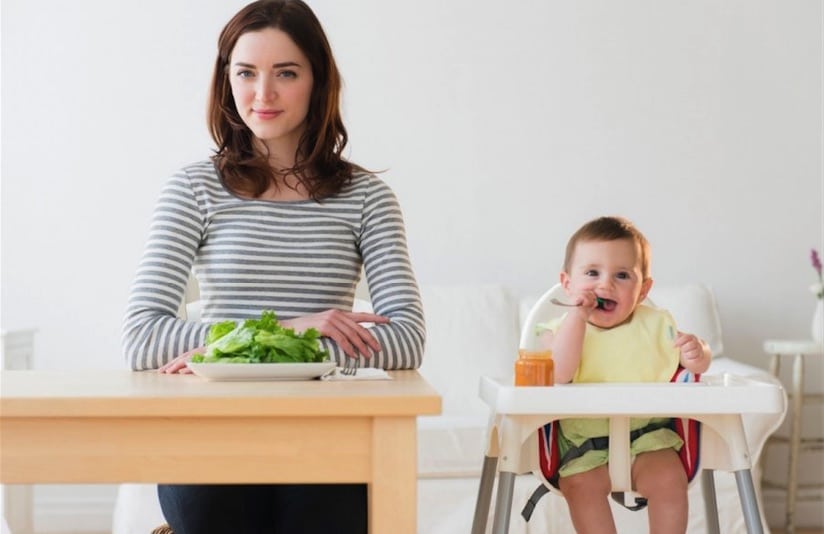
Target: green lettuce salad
260,341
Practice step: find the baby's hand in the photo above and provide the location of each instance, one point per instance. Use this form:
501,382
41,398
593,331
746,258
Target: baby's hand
693,352
689,346
585,300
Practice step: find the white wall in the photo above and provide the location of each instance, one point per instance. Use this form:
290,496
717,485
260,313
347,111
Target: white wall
503,127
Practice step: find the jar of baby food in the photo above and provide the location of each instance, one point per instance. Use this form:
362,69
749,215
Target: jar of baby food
534,368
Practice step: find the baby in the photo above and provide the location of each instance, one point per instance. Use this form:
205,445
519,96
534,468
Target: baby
611,337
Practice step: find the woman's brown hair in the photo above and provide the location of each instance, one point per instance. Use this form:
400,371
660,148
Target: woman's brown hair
319,164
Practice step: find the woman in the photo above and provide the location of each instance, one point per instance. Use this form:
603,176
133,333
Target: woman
275,220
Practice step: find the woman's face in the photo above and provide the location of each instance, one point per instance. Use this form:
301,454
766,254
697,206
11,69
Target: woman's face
271,81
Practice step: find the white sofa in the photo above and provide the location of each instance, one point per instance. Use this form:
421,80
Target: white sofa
474,331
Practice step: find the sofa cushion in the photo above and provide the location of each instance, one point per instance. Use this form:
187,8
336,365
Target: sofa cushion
451,446
470,331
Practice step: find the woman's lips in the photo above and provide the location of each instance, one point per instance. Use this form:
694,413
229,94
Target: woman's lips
266,113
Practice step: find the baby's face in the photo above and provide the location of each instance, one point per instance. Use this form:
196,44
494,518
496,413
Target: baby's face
612,270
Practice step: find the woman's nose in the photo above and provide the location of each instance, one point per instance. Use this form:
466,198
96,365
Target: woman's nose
265,89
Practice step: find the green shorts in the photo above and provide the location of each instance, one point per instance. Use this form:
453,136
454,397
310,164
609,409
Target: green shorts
574,432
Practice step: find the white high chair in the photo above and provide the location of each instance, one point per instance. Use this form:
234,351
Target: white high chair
717,402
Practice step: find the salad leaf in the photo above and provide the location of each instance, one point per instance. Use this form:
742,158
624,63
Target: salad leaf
217,331
286,345
261,340
233,342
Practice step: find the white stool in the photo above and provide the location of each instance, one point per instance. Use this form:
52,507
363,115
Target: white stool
798,349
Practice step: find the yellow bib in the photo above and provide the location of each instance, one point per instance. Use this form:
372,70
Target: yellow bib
640,350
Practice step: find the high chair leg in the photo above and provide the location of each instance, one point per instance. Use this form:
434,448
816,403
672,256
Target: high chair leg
503,502
710,502
484,494
749,504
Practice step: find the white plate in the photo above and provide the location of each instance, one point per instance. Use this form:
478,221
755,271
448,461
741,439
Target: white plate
260,371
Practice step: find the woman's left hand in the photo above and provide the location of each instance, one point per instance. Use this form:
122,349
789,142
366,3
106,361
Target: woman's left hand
178,365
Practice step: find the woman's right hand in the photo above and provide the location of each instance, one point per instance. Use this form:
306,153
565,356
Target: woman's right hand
343,327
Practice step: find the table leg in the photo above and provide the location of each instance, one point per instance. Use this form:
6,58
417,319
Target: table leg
749,503
393,489
795,441
503,502
484,494
710,501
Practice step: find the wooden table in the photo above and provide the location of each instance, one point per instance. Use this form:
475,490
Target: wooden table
121,426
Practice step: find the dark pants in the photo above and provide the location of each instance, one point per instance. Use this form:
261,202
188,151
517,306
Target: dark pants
265,509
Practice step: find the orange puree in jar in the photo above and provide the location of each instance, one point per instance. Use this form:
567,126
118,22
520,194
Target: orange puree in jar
534,368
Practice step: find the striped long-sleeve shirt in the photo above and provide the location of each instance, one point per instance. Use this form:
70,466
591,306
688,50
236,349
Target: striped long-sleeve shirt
293,257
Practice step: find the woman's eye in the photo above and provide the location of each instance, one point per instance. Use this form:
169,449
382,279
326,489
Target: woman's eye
244,74
287,74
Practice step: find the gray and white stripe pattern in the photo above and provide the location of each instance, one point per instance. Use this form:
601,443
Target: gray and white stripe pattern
295,258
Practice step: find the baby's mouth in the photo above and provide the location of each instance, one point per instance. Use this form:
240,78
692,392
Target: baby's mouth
606,304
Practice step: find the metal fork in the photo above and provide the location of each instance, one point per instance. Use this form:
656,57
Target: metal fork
350,366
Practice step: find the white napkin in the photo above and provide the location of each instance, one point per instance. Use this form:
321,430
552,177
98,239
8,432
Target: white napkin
363,373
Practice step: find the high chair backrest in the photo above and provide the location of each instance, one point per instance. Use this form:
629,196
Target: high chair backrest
543,310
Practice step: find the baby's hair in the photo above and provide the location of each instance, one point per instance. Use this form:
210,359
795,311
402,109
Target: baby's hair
610,229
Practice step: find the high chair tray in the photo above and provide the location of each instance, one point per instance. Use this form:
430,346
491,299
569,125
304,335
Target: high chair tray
715,394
